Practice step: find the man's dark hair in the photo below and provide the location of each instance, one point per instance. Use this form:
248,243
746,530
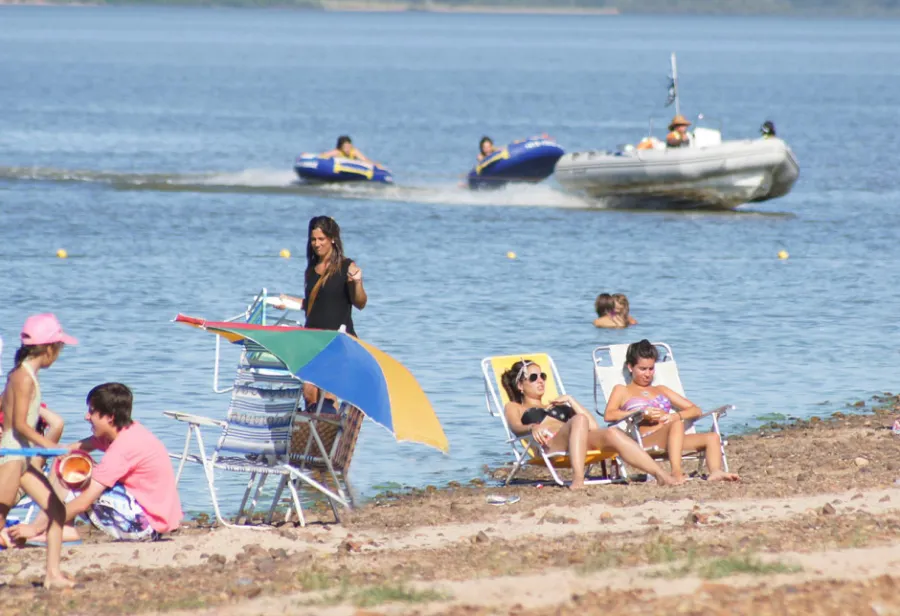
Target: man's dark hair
112,400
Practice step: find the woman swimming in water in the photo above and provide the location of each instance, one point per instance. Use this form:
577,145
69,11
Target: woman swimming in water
665,414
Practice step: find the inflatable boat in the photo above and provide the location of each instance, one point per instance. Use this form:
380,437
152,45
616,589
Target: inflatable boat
708,173
529,160
312,168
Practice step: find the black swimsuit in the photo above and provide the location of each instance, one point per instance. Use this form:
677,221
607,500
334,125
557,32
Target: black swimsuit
560,412
334,305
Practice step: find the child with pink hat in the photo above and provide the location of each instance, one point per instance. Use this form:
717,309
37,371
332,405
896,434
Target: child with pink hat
42,341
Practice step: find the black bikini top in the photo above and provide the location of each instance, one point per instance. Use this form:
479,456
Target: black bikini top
536,414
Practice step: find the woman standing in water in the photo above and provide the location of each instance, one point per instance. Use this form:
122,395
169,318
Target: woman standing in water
333,283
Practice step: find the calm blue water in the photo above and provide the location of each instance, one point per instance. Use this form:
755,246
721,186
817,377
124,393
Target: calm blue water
155,146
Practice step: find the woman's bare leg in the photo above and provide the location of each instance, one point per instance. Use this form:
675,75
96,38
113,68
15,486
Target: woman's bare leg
674,447
578,437
631,452
38,488
572,437
710,443
669,436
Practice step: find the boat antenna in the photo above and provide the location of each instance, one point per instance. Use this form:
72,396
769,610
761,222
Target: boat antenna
673,88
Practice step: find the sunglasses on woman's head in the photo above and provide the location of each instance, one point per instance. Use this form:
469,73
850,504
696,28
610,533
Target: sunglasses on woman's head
534,377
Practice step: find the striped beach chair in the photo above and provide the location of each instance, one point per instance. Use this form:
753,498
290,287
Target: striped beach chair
255,439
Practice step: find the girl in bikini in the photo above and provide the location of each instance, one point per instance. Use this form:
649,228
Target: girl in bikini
564,425
42,340
665,414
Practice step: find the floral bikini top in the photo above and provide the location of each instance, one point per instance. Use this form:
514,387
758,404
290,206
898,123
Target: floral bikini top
637,403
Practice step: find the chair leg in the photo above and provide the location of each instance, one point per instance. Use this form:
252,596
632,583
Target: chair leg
243,506
515,469
278,492
327,458
209,471
315,484
184,452
297,506
255,499
715,419
349,490
553,472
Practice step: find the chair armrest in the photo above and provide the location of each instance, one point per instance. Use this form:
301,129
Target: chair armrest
629,423
197,420
720,412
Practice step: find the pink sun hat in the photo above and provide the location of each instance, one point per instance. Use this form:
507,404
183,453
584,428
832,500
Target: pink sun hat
44,329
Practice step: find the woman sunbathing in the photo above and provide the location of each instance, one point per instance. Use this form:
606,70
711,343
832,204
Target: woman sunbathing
665,414
564,425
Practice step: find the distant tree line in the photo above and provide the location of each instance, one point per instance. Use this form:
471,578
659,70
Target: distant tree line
745,7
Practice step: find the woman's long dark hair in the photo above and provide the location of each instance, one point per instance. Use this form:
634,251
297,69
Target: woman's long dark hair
510,379
332,231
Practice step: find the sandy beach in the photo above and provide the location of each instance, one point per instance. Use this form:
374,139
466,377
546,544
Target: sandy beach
812,528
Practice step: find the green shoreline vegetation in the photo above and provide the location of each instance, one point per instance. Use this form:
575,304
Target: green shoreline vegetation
856,8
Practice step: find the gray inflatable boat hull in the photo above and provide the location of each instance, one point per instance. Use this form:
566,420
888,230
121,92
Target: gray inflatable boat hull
724,175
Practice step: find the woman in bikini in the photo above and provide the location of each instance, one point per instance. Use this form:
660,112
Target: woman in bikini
665,414
42,340
564,425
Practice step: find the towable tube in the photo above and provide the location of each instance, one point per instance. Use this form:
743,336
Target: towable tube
312,168
528,160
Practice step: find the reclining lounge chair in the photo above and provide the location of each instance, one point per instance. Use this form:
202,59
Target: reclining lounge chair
525,449
610,370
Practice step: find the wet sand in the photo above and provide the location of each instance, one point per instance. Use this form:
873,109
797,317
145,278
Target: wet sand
811,529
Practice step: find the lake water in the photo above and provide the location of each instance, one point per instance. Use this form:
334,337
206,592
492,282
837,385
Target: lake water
155,146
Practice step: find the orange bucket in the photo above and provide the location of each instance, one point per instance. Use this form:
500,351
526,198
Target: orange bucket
74,469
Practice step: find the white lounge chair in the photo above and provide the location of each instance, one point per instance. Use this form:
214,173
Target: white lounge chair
610,370
525,449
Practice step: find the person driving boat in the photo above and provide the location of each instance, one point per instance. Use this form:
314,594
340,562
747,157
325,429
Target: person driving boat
678,136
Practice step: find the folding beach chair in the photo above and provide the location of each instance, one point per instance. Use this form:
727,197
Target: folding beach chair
324,437
525,449
322,445
610,370
255,436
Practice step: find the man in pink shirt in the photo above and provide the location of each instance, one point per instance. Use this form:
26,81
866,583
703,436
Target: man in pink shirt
132,493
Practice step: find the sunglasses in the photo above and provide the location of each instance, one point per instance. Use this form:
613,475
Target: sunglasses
533,377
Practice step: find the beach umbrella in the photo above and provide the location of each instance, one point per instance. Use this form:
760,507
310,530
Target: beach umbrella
351,369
